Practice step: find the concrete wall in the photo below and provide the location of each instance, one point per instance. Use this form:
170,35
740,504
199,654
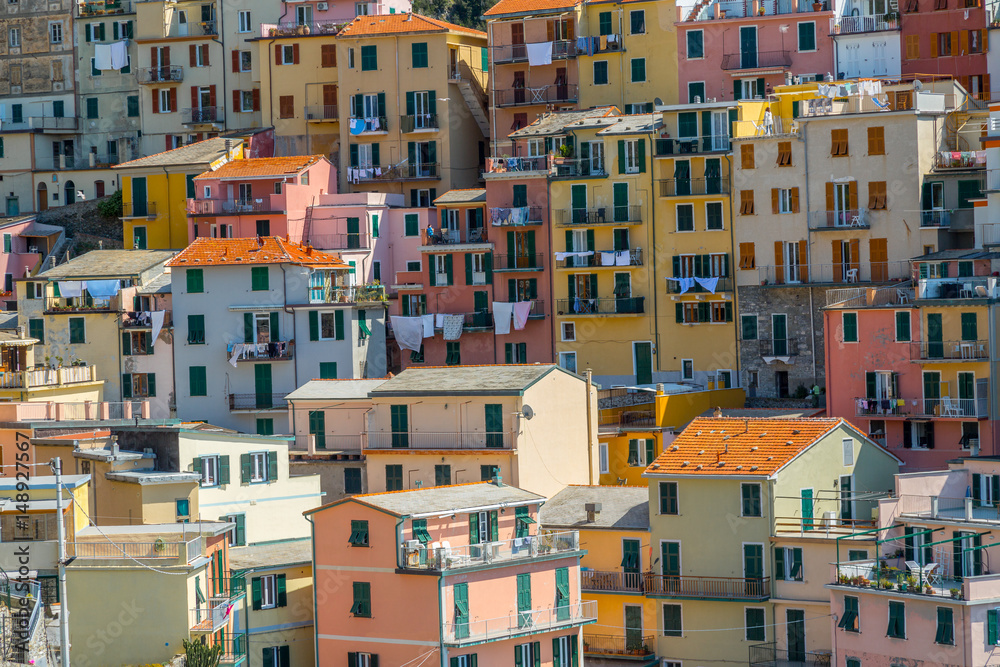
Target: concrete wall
868,55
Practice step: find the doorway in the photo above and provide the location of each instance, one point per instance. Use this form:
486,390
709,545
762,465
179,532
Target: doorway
643,359
43,197
748,47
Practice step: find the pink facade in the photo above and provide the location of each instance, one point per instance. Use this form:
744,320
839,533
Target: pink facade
951,41
25,244
315,17
748,55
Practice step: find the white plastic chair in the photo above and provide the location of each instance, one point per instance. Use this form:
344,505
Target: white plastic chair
949,409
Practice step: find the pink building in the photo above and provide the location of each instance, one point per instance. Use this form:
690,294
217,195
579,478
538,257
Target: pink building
941,530
26,246
317,17
499,586
259,197
909,364
741,50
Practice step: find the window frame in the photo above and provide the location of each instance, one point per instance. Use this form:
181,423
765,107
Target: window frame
672,632
209,480
675,500
687,45
744,499
798,37
266,581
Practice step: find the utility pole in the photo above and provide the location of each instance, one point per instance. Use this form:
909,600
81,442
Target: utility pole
56,464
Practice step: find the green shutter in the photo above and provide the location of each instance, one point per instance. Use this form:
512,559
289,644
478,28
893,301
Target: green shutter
779,563
224,469
255,593
272,466
244,468
279,586
126,385
621,156
248,327
275,333
338,324
313,325
126,343
474,528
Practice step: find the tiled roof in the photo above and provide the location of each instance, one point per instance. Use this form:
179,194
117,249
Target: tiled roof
263,166
739,447
334,389
486,380
622,507
270,250
273,554
558,122
505,7
445,499
394,24
107,264
200,152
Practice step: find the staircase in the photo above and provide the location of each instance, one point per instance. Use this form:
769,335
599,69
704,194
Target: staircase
696,10
473,95
307,225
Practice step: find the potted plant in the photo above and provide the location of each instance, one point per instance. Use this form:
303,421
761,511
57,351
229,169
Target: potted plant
956,593
911,582
817,6
928,590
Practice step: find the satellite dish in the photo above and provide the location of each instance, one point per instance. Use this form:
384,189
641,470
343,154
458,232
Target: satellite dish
917,85
657,101
527,412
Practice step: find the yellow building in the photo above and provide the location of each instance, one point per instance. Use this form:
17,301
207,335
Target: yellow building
155,191
632,50
24,378
613,522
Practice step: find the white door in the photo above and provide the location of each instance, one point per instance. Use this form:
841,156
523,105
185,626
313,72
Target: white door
451,230
841,203
793,262
720,131
579,245
182,24
421,107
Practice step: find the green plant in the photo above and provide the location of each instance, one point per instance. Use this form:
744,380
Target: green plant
801,392
955,593
928,589
111,206
200,655
911,581
565,151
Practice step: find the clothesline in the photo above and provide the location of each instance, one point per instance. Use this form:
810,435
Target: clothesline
708,284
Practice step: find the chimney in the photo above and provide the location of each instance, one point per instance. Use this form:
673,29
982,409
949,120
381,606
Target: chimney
593,510
114,449
497,479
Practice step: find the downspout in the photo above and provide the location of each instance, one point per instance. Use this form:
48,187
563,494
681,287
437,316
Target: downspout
652,222
590,431
312,546
732,245
993,379
270,81
170,240
284,298
493,91
441,649
222,47
552,273
812,336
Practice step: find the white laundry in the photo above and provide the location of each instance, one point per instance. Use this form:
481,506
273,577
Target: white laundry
708,283
452,328
439,321
119,55
102,57
70,288
563,255
156,319
235,354
607,258
428,324
622,258
521,311
409,332
539,53
502,313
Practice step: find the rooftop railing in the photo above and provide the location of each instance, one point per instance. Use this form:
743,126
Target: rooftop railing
434,556
439,440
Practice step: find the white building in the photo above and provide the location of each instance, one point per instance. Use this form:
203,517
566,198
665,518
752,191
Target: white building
866,39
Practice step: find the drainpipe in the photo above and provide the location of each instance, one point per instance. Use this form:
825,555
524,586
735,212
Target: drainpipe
652,250
312,545
442,650
270,81
590,431
222,47
493,90
812,336
284,298
734,268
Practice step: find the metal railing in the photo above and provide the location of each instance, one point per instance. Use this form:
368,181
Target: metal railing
862,297
438,440
730,588
935,218
292,29
131,209
734,61
24,602
169,74
598,580
601,258
683,187
399,172
506,216
776,347
418,122
125,550
846,219
723,284
265,204
436,557
781,126
198,115
512,97
322,112
952,350
52,122
991,182
257,401
193,29
518,262
512,53
882,407
343,241
501,165
331,442
626,305
635,646
528,622
46,377
564,167
211,617
954,407
348,294
373,123
818,274
708,143
277,351
968,287
603,215
846,25
769,655
78,304
960,160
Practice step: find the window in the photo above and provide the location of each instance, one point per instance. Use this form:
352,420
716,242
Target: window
56,32
903,326
850,620
418,55
912,47
838,143
945,626
182,508
211,469
364,659
258,462
695,44
567,361
286,54
746,156
132,106
788,563
638,70
259,279
394,477
897,620
488,472
352,480
713,216
245,101
685,218
359,534
350,58
637,22
750,494
164,100
36,329
568,331
755,624
369,58
453,354
877,197
748,258
238,533
442,475
77,330
246,61
748,327
286,106
14,37
244,20
602,454
92,108
526,655
942,40
362,605
850,325
196,330
265,426
876,140
331,325
197,381
746,202
668,498
784,154
687,369
268,592
275,656
411,227
672,626
600,72
807,36
641,451
633,163
784,200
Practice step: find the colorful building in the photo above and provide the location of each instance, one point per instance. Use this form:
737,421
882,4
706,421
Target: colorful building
941,39
27,245
866,40
502,586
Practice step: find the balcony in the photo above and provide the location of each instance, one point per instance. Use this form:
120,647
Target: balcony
510,263
621,397
949,350
516,216
973,287
688,145
935,218
551,94
425,122
516,53
621,646
707,588
137,209
81,411
53,123
290,29
105,7
769,655
614,421
211,617
775,347
797,275
172,74
959,160
439,440
417,556
322,113
203,116
602,258
946,407
66,305
422,171
577,168
47,377
686,187
234,650
181,552
535,621
761,59
348,294
611,582
282,350
723,284
371,124
257,401
502,165
850,25
193,29
820,221
620,215
266,204
630,305
359,241
992,180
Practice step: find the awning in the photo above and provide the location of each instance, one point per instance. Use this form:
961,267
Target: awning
363,325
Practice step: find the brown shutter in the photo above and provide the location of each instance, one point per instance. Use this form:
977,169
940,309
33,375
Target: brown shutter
779,263
954,44
194,97
550,31
193,54
295,54
852,194
829,197
872,195
570,30
775,193
173,99
803,260
154,57
237,107
855,254
795,200
166,58
156,100
329,95
206,58
963,43
211,96
878,254
277,54
934,45
256,99
236,60
838,259
168,142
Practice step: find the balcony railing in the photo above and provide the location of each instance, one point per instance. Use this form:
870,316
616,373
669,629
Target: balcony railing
992,180
52,122
421,171
882,407
281,350
736,61
80,304
516,216
134,209
266,204
959,160
613,420
500,165
258,401
597,580
795,275
348,294
291,29
512,262
954,407
322,112
950,350
439,440
683,187
529,622
776,347
211,617
202,115
359,241
105,7
846,25
769,655
47,377
629,646
577,167
685,145
513,97
171,74
604,215
183,551
417,556
632,257
973,287
935,218
724,284
418,122
371,123
234,650
836,220
514,53
725,588
626,305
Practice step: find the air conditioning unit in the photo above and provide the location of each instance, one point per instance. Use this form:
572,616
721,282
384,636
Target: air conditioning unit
322,6
412,544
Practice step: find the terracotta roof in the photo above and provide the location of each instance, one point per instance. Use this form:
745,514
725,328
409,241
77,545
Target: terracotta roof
739,447
393,24
263,166
270,250
505,7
